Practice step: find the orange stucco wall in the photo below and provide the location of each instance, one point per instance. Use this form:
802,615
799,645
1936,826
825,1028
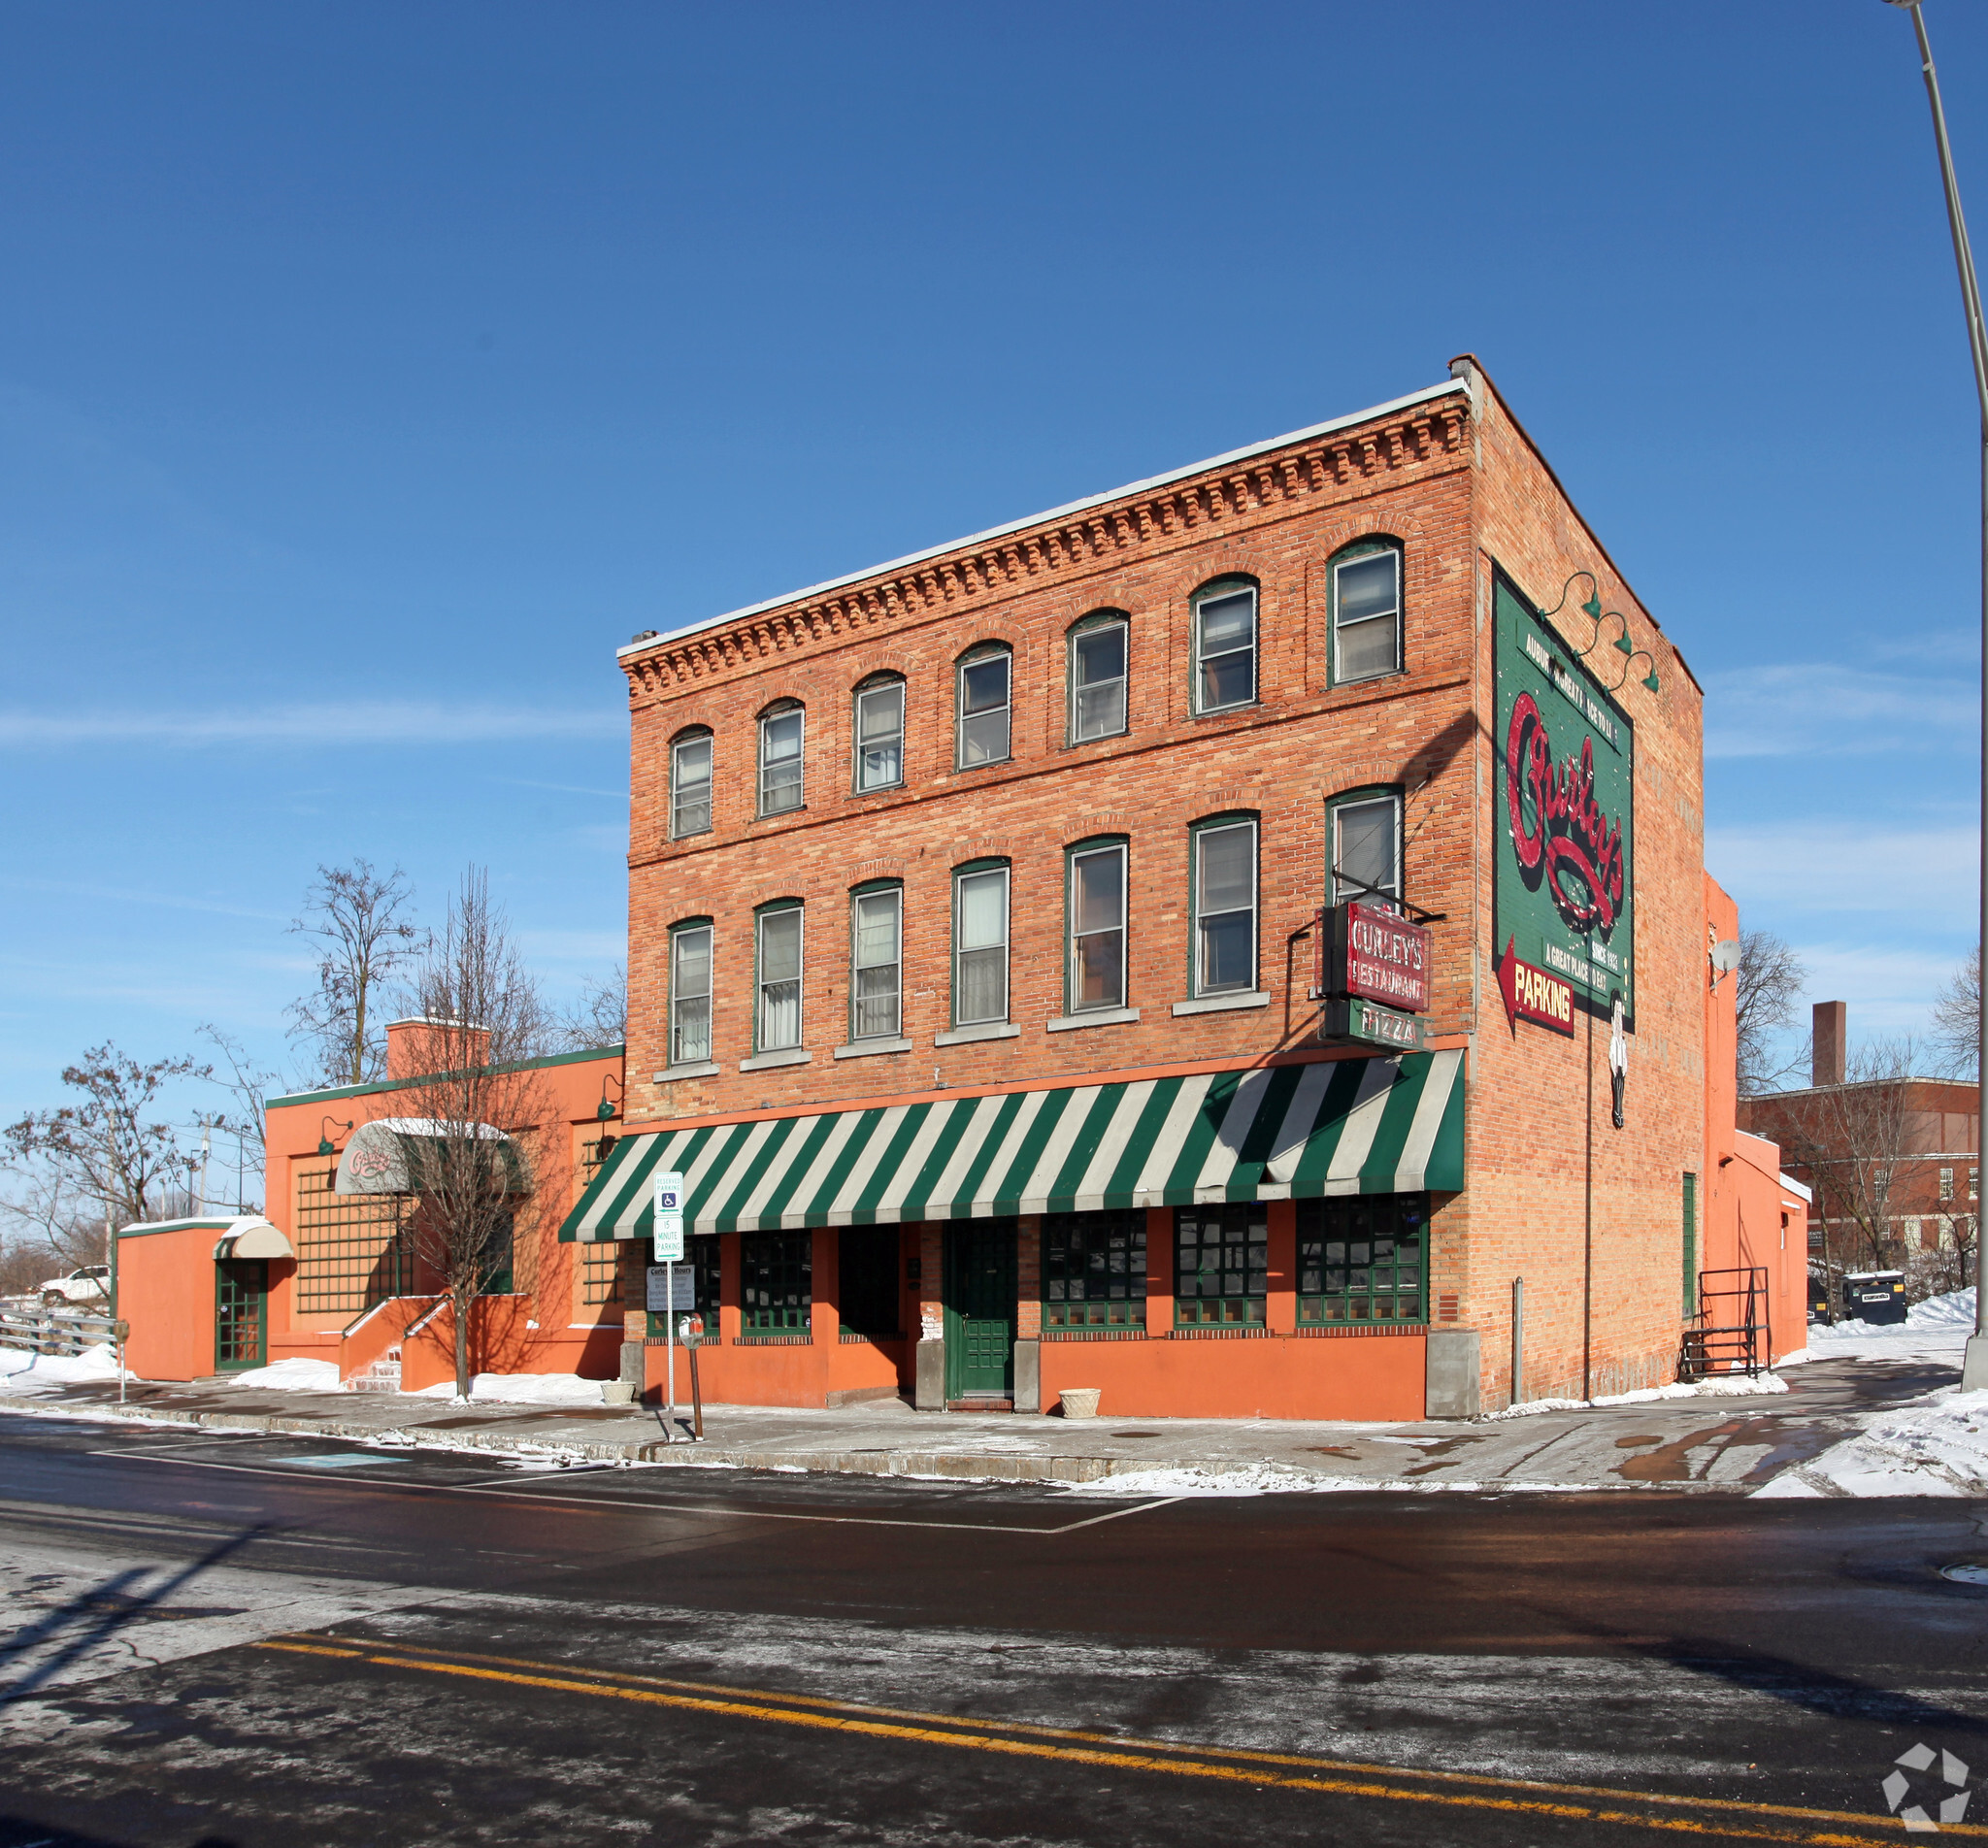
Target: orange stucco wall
165,1291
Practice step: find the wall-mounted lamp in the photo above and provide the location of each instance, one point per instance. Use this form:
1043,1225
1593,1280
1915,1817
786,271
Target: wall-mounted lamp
324,1146
604,1110
1592,608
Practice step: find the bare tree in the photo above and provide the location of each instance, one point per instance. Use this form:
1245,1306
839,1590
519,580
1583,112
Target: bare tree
246,1084
355,917
1769,982
109,1156
466,1162
599,1016
1957,1018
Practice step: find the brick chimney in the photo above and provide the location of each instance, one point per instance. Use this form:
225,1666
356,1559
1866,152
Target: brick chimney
1831,1032
417,1046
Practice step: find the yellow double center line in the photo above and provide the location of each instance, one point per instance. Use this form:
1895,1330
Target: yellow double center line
1719,1818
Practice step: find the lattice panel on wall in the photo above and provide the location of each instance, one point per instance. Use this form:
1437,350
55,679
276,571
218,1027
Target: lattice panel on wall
350,1250
600,1265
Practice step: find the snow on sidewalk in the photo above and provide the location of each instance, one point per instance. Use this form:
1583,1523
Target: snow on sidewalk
1935,1330
1936,1447
23,1375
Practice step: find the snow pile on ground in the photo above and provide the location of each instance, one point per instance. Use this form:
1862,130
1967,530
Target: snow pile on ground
1274,1478
1719,1386
1937,1446
523,1389
22,1372
1936,1330
293,1377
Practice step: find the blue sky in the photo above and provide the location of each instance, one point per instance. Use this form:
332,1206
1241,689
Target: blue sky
369,373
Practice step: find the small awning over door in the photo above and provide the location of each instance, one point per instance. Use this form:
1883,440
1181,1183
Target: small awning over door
1346,1126
252,1237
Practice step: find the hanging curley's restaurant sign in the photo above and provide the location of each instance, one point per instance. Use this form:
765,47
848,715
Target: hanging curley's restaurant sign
1563,822
1372,953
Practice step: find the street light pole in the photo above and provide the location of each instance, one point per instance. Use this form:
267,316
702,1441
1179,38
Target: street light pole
1974,1369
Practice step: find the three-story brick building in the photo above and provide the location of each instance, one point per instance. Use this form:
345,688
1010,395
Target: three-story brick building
973,950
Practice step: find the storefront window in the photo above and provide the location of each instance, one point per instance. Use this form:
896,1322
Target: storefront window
776,1282
1094,1270
1362,1259
868,1293
1221,1264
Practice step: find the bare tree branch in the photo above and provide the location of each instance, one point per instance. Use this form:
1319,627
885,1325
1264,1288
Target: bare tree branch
599,1018
1957,1019
353,915
1769,982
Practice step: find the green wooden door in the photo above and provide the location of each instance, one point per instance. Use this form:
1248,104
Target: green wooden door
979,1308
241,1314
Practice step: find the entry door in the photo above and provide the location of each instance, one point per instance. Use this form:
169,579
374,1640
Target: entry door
241,1314
979,1308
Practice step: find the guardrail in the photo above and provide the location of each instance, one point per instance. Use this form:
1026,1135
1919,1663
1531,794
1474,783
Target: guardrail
43,1331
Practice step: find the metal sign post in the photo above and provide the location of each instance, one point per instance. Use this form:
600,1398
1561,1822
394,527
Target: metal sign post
669,1253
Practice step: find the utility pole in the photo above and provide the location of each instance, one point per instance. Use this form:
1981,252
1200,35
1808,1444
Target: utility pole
1974,1369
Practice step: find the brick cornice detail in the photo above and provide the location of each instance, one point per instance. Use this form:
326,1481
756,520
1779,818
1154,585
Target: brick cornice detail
1426,432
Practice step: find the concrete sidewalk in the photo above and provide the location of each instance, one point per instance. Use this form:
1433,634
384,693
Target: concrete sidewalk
1724,1444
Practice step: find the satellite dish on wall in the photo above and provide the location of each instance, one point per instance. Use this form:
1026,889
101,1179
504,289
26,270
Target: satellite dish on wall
1725,956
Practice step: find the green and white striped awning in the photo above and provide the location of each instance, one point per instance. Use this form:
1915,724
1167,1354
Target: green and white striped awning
1348,1126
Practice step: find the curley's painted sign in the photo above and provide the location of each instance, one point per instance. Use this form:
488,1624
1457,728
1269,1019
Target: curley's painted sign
1372,953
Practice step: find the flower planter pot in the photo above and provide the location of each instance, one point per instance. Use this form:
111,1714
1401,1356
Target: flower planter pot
1079,1401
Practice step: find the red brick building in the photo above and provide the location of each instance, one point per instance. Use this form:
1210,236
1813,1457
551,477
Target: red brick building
973,930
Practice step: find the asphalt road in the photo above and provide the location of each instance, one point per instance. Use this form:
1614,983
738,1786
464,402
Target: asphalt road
257,1640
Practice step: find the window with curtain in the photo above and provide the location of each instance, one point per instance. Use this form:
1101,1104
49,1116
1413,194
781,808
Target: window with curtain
1097,928
876,959
690,785
979,957
1366,837
879,729
779,760
1097,679
1225,907
690,946
985,711
1224,647
1366,613
779,979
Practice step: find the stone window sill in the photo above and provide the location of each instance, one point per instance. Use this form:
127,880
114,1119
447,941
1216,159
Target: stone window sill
766,1061
1099,1018
987,1030
675,1073
1222,1004
869,1048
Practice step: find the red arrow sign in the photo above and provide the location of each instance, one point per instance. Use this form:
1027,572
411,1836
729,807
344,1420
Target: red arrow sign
1531,994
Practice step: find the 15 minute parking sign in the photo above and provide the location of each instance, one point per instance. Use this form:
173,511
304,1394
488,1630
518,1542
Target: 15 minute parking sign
669,1213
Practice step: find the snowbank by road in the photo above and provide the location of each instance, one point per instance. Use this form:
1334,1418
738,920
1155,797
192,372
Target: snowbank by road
23,1375
292,1376
523,1389
1939,1446
1723,1386
1275,1478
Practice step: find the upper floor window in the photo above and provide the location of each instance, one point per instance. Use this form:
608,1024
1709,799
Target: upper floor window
1366,841
1367,610
1225,907
690,993
876,964
1225,644
690,785
778,1024
1097,928
979,955
1097,677
985,709
879,729
780,759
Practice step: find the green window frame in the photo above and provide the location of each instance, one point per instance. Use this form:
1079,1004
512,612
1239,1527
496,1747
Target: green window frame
241,1314
1356,814
498,1276
983,706
1689,1205
877,961
1363,1259
876,734
1094,1270
779,974
693,951
1221,1264
1366,611
1227,644
690,783
776,1282
1096,937
782,758
1224,947
1098,677
868,1294
981,967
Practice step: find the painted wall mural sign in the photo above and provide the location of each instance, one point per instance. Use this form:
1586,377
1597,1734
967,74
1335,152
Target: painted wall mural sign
1563,823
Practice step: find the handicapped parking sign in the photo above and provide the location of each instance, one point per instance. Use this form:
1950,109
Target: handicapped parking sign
668,1216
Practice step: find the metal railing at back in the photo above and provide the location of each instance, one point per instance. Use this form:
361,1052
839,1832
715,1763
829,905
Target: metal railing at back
46,1331
1732,1331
